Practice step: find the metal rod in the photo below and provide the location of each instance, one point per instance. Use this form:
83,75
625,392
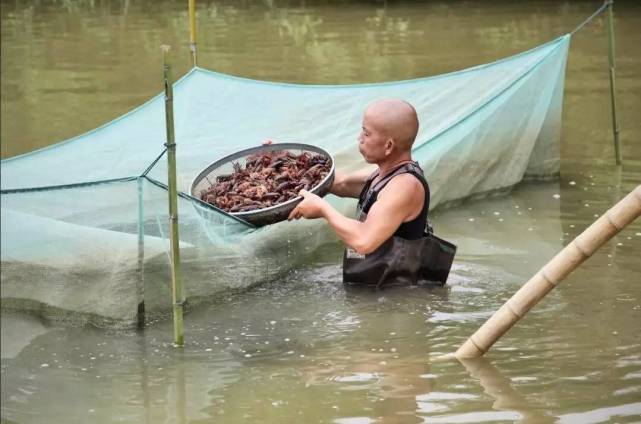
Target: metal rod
581,248
178,297
192,31
615,123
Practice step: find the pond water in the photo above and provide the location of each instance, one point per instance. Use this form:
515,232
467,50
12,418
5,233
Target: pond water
304,348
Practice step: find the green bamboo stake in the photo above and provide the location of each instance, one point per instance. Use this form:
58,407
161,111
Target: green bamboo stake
615,122
192,31
178,297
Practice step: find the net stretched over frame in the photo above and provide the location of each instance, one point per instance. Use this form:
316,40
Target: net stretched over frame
84,225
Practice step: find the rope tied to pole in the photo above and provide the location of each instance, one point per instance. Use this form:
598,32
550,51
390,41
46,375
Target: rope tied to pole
154,162
600,10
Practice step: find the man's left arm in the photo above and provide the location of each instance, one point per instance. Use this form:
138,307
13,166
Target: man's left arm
395,203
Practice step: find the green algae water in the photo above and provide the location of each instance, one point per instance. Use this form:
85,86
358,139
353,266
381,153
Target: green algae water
303,348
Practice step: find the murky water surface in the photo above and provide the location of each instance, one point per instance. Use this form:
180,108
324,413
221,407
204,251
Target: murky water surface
304,349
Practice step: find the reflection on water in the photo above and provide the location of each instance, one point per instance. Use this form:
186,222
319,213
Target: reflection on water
500,388
304,349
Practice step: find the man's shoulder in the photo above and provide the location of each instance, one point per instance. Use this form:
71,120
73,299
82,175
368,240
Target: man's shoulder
406,179
404,185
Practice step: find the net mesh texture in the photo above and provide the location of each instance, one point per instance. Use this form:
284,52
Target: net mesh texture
85,221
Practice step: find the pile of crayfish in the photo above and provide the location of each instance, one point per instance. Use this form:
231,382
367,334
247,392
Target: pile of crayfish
267,179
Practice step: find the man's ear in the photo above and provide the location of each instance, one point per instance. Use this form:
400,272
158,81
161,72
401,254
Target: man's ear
389,145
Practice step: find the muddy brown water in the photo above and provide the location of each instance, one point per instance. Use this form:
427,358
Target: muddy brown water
304,349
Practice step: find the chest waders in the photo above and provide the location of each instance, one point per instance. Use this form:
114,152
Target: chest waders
412,256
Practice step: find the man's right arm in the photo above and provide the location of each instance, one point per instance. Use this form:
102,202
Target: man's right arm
350,185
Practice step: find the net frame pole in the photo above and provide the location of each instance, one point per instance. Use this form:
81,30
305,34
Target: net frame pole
566,261
140,289
177,288
192,32
615,122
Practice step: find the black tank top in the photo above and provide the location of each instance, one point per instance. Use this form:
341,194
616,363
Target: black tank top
410,230
412,255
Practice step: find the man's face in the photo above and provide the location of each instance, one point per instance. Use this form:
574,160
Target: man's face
372,141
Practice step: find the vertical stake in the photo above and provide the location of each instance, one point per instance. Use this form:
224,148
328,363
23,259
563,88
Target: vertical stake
178,297
615,122
140,289
192,31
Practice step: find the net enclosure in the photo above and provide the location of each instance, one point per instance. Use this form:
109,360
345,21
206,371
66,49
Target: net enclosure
85,221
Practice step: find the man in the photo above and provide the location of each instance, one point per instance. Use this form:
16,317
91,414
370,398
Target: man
385,243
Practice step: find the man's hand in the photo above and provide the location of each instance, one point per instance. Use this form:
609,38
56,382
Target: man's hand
311,207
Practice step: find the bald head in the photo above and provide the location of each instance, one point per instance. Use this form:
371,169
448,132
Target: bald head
397,119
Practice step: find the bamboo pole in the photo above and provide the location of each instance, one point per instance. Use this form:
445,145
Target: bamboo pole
178,297
581,248
615,122
192,31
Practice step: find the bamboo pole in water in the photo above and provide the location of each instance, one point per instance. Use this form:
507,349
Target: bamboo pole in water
581,248
615,122
192,31
178,297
